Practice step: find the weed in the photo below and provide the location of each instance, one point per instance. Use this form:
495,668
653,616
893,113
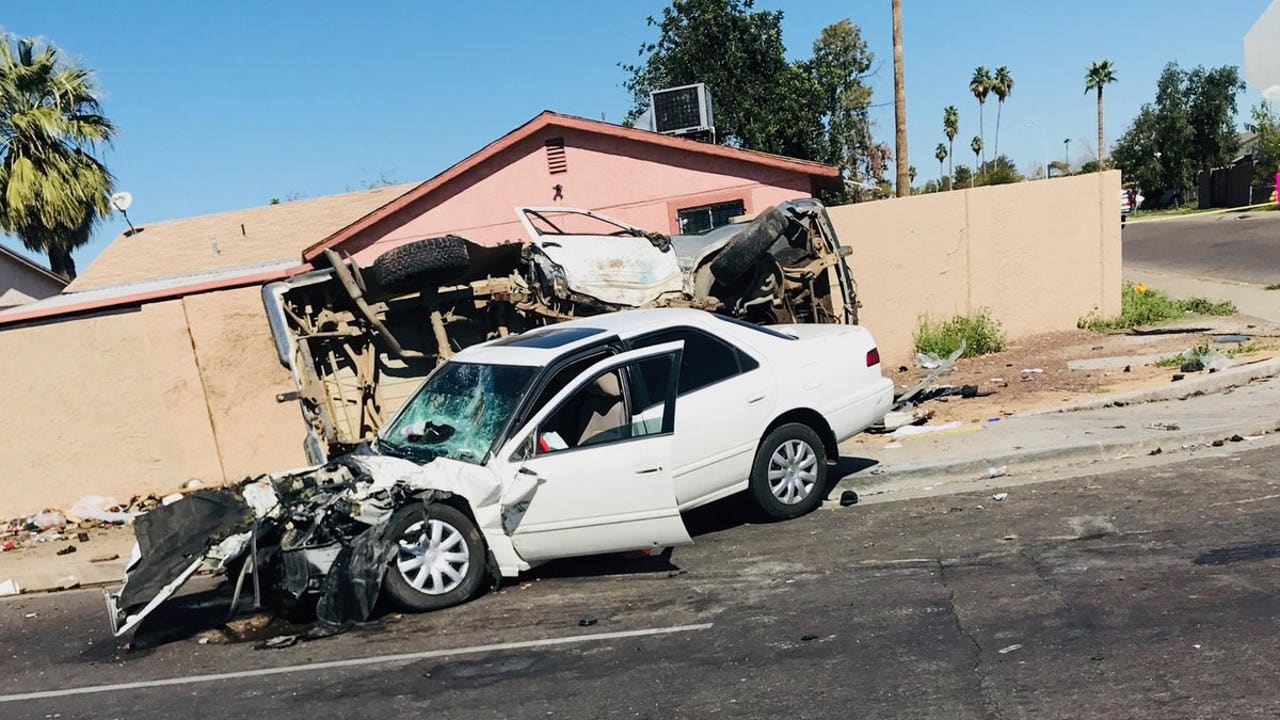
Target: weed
1140,305
981,333
1273,286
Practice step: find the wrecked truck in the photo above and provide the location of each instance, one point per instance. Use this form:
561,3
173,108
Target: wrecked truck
585,437
358,340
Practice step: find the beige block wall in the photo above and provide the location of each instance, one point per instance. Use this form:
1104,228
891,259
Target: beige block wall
141,401
1038,255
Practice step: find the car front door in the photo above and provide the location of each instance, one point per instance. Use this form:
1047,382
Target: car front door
600,454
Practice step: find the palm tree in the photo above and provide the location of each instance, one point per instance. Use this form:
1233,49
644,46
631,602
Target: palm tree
52,189
1099,74
950,126
941,154
902,182
980,85
1002,86
976,146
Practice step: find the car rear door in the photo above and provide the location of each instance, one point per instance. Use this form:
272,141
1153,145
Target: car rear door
600,454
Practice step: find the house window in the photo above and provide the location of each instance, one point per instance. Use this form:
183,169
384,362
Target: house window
697,220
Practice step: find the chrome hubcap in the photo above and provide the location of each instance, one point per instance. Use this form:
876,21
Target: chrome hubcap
793,471
433,558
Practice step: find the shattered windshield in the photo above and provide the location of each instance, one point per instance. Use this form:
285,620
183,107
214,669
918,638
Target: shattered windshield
458,412
557,222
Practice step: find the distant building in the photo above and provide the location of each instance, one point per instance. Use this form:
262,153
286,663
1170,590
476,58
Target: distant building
24,281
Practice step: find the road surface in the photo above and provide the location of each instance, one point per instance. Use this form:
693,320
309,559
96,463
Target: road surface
1145,593
1243,247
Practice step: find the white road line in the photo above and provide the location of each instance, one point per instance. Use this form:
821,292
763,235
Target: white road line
352,662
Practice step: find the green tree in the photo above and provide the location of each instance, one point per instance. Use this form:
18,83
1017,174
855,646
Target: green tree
1212,112
980,86
963,176
52,188
941,154
976,146
951,127
1002,86
1098,75
999,170
1138,151
1266,153
839,61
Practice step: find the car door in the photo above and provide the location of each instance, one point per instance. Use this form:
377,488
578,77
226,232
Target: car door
602,258
725,400
600,453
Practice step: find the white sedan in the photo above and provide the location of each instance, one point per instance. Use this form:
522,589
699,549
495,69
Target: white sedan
585,437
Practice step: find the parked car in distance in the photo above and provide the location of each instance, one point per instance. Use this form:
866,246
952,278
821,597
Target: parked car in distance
585,437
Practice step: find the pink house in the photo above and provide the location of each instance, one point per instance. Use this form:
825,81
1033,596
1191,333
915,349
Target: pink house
654,181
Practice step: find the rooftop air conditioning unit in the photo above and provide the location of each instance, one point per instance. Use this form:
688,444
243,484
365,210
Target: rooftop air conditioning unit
684,110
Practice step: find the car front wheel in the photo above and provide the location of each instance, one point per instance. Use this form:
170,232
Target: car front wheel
790,472
439,561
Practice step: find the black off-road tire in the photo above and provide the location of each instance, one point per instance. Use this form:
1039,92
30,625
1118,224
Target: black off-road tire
761,491
398,589
745,249
422,264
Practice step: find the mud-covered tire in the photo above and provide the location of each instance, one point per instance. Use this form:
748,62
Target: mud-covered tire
745,249
789,475
422,264
407,528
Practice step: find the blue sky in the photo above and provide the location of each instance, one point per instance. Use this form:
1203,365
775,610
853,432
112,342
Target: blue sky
223,105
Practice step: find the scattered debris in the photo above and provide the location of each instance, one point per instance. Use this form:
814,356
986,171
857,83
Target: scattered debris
1000,497
46,520
587,622
31,616
909,430
937,370
848,497
1162,426
1231,339
105,558
1176,377
808,638
995,472
278,642
241,628
1009,649
1192,366
66,550
104,509
1157,451
877,471
9,587
82,537
892,445
1217,443
1236,438
192,484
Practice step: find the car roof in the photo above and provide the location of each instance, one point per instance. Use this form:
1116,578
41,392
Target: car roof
543,345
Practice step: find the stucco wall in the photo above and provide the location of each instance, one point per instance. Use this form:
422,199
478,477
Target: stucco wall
1038,255
140,401
638,183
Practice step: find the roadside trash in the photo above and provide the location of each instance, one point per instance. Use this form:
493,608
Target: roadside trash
46,520
909,430
1011,648
1157,451
1032,371
995,472
848,497
241,627
1176,377
192,484
214,636
105,558
877,471
936,370
278,642
807,638
1231,339
202,641
1217,443
1236,438
1192,366
9,587
895,419
587,622
1214,361
1162,426
999,382
8,545
31,616
903,368
1009,537
1000,497
993,419
98,507
1128,368
82,537
66,550
892,445
171,498
928,361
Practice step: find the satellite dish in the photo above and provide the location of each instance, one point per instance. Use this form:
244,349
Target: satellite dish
121,200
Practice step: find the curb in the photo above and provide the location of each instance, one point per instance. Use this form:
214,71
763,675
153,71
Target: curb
906,476
1213,383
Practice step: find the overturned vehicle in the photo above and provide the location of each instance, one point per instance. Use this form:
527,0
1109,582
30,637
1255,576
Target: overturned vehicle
358,340
421,491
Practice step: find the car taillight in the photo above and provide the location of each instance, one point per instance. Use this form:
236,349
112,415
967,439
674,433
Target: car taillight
873,357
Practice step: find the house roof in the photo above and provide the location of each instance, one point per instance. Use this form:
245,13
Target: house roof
20,259
826,174
227,240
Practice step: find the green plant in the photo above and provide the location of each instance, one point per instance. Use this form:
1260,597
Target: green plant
1273,286
1251,347
1140,305
981,333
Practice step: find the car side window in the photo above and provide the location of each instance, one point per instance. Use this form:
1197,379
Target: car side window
561,379
619,404
706,360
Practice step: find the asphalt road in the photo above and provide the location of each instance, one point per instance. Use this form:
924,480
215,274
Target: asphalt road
1147,593
1244,247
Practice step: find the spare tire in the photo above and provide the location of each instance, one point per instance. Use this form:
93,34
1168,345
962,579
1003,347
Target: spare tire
421,264
745,249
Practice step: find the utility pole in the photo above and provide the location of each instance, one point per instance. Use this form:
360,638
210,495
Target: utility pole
1066,155
900,105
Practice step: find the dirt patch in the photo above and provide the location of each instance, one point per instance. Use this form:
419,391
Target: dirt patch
1050,382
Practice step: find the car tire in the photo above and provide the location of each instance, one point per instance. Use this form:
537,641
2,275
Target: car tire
745,249
422,264
789,475
458,546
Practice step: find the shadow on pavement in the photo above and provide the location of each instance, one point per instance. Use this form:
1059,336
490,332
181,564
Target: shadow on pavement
1239,553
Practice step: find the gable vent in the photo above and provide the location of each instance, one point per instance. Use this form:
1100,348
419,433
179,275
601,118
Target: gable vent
556,162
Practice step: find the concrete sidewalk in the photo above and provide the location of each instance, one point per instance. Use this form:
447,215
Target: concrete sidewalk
41,569
1023,445
1251,300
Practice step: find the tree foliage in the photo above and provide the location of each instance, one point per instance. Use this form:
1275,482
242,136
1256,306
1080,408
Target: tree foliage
1190,128
1266,153
813,109
52,188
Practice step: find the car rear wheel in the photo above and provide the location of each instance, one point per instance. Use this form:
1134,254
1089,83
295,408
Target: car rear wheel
790,472
439,561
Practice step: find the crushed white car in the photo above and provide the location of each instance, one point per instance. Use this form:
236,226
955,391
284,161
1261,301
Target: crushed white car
586,437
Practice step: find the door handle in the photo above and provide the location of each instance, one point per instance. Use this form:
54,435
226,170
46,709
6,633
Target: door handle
526,471
648,470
